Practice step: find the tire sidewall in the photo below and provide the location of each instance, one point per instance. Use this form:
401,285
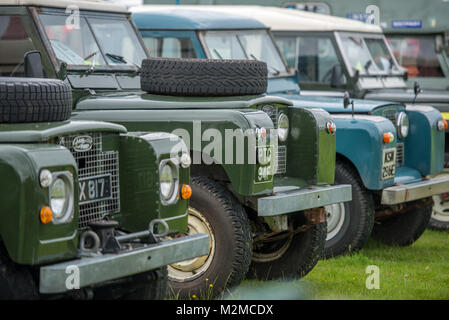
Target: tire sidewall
224,257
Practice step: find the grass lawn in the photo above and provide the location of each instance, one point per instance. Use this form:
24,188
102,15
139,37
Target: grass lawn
420,271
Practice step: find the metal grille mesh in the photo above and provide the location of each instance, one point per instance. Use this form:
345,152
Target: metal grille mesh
399,154
281,155
281,160
93,163
390,115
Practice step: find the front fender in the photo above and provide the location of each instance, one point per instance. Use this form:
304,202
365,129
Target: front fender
311,148
360,140
26,239
427,153
140,157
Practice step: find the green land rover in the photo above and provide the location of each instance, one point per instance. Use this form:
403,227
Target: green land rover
80,215
261,171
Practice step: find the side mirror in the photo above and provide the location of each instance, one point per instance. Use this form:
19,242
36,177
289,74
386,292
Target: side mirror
33,64
417,88
347,101
337,73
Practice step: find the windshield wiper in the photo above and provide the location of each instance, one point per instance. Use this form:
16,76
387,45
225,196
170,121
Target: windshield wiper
94,60
276,71
122,60
367,65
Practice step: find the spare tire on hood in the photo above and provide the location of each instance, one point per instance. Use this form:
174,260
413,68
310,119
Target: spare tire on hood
203,77
27,100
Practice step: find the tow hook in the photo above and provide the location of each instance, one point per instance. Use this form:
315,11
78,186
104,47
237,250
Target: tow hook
101,237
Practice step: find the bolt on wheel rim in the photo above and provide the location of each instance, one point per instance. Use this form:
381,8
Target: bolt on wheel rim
191,269
335,219
440,210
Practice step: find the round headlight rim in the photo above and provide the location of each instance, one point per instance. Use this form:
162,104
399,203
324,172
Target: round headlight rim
173,197
69,204
400,124
283,137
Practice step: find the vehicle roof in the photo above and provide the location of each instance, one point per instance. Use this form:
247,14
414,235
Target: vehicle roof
283,19
96,5
190,18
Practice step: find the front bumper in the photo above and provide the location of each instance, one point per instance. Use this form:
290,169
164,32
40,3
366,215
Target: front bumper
102,268
414,191
283,202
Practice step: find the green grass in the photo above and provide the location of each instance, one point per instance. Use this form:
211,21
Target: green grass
420,271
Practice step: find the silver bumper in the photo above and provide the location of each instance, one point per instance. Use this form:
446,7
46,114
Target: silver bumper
102,268
303,199
414,191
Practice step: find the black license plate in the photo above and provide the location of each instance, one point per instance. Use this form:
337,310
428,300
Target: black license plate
389,163
265,164
95,189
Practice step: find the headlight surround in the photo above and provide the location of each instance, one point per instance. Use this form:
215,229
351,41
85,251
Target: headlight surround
168,181
61,197
403,125
283,127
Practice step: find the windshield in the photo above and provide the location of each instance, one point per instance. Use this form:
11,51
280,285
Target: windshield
368,55
417,54
93,42
247,45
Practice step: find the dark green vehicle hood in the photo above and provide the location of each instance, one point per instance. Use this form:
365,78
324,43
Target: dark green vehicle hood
139,100
42,132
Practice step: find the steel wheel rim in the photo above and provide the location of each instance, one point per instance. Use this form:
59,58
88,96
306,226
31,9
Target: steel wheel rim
267,257
440,210
335,219
191,269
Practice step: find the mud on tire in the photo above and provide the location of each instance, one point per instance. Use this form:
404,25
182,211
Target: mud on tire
27,100
203,77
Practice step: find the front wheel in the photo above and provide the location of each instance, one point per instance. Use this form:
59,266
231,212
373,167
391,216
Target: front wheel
16,282
405,228
215,211
440,212
349,224
151,285
293,256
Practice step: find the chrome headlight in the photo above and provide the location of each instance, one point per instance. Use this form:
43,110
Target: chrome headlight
283,127
402,125
61,197
169,181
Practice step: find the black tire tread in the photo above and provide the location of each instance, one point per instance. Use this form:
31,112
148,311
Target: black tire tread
405,228
203,77
438,225
27,100
16,282
241,243
305,251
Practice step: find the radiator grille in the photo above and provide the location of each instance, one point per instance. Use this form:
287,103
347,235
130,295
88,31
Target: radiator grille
399,154
272,112
390,115
93,163
281,160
